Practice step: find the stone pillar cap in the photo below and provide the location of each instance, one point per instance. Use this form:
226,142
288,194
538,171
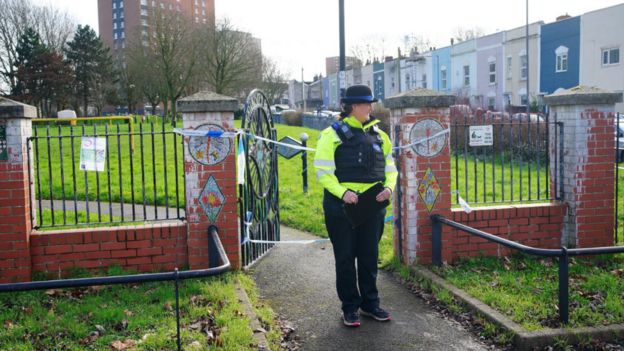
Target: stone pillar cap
420,97
583,95
14,109
207,101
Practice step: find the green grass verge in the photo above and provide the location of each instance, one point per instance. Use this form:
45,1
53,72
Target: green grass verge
526,288
142,315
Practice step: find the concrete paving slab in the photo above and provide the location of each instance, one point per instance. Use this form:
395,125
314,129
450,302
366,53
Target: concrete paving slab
299,283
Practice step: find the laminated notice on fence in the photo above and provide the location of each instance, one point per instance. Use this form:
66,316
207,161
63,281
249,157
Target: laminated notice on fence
481,135
92,154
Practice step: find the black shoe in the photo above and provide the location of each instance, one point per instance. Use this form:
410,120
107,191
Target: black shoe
351,319
377,313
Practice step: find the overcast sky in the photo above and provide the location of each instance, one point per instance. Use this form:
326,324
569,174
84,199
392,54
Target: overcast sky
301,33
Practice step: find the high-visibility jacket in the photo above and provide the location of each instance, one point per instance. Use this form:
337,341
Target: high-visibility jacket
325,159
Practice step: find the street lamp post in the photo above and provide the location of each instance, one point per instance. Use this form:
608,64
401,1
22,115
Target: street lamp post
342,43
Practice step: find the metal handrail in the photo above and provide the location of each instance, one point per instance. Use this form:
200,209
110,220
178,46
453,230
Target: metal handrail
216,254
563,254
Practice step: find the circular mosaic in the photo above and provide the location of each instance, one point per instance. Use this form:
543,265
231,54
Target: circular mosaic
208,150
429,133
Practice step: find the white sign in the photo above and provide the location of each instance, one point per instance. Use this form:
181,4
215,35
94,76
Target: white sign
92,154
481,135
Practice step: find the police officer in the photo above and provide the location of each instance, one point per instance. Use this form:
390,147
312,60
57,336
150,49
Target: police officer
353,155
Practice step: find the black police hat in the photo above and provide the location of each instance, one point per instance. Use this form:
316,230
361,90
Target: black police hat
358,93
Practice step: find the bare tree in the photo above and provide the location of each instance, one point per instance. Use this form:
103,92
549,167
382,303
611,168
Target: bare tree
372,49
274,81
233,60
14,19
53,26
172,46
415,44
463,34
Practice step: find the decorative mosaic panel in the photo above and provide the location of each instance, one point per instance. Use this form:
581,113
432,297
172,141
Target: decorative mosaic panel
429,189
207,150
212,199
427,131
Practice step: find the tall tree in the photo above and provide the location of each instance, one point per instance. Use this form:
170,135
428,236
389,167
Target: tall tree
56,82
172,48
53,26
88,55
232,60
274,81
28,75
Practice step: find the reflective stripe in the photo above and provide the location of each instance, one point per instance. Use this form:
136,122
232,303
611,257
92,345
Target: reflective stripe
325,163
389,158
390,168
322,172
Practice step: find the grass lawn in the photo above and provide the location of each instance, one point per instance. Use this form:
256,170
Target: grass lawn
141,317
525,288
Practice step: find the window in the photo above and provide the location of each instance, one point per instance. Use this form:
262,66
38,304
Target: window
114,15
523,100
121,15
123,34
121,4
466,75
524,67
144,2
144,13
443,78
114,25
610,56
509,67
162,6
115,36
424,80
114,5
491,103
121,25
407,81
492,71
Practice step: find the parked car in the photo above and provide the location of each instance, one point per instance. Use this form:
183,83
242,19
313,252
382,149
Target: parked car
279,108
522,117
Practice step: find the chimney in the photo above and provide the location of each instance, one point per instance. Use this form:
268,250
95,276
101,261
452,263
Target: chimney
563,17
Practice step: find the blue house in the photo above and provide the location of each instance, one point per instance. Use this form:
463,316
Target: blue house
560,55
378,81
441,69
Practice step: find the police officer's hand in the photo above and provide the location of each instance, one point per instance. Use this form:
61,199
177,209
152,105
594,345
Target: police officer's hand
384,195
350,197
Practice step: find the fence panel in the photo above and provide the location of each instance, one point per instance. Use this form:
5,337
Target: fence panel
500,159
141,174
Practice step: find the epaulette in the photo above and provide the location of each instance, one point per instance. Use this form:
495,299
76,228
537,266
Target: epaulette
343,130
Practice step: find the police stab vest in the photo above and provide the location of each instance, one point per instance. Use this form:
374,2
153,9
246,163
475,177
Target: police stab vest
359,158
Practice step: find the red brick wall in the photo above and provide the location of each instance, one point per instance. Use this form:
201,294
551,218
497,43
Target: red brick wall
146,248
14,217
537,225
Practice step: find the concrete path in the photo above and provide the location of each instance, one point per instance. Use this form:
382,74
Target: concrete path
299,283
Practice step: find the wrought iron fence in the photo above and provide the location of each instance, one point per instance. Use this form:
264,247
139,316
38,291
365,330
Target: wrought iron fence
618,234
105,174
503,159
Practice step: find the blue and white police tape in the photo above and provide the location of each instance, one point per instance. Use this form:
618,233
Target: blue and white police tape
247,239
224,134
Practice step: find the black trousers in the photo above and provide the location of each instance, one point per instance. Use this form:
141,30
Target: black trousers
356,251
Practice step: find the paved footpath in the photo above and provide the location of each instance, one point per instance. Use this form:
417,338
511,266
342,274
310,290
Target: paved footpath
298,281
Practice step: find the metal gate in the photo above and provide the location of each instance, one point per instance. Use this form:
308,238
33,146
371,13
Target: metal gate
259,196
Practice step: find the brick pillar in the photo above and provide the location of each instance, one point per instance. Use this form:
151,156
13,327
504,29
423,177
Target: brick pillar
15,226
210,176
587,115
425,169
